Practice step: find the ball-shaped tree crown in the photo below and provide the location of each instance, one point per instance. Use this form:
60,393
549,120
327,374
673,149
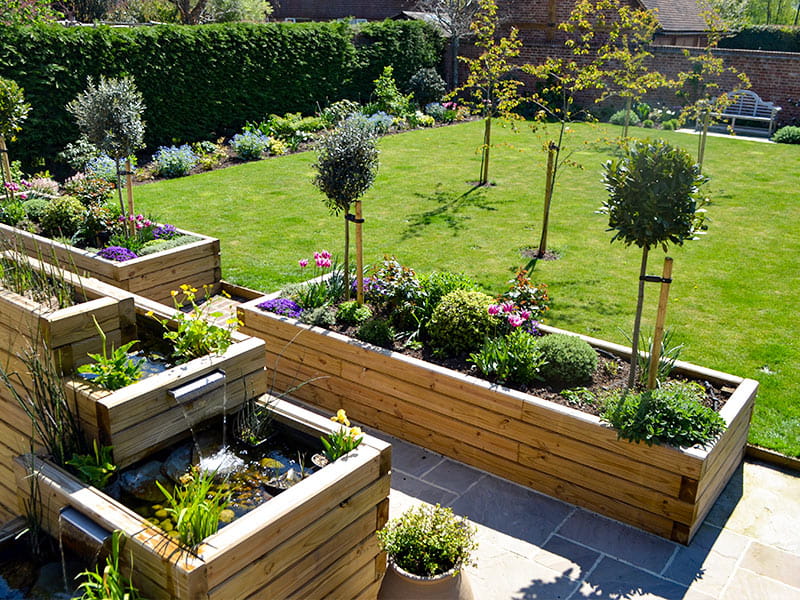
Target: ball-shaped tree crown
654,195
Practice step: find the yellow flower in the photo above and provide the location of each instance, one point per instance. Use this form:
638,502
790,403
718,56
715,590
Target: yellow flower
341,417
355,432
149,313
174,293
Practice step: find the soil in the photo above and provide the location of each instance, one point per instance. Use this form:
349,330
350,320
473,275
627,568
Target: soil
611,374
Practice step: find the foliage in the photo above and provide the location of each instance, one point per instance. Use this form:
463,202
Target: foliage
340,442
196,335
321,316
174,161
619,117
34,208
195,507
254,422
249,145
11,212
460,322
376,331
429,540
43,187
104,167
569,361
526,295
303,64
787,135
672,414
89,190
387,96
13,108
209,154
324,287
353,313
231,11
111,584
579,397
393,285
337,112
62,216
154,246
77,154
668,356
113,371
47,286
96,468
764,37
515,358
427,86
27,12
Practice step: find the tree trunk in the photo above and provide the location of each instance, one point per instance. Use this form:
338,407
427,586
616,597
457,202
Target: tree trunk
347,254
129,186
627,117
454,45
637,322
487,140
119,186
6,167
548,195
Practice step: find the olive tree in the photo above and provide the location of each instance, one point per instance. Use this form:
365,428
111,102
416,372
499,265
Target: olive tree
654,199
347,163
109,116
13,111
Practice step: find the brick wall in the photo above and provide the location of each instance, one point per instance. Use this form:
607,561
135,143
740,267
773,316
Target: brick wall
329,9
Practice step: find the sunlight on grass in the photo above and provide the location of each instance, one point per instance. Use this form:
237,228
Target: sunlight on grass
733,303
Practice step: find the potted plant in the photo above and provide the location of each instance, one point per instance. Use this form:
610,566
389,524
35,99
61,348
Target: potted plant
428,547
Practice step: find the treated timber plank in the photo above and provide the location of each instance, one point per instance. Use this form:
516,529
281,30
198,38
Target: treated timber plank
370,592
165,259
173,271
306,501
163,292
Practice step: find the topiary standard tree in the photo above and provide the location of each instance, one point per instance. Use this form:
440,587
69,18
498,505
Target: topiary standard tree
654,199
13,111
347,163
109,116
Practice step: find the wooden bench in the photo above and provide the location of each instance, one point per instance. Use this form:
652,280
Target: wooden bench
746,105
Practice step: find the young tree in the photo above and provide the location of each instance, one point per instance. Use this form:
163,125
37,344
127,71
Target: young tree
490,89
13,111
109,116
347,163
454,17
653,200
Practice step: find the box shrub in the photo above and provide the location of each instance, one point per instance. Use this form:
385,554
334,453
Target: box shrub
569,361
460,322
787,135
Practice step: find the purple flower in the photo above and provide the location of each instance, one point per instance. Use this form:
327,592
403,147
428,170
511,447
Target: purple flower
281,306
164,232
494,309
303,262
117,253
508,307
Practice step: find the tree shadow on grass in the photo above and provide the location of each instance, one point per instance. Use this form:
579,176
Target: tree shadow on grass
449,212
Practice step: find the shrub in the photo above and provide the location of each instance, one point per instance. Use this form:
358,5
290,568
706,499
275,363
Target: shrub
618,118
154,246
648,123
436,110
209,154
43,187
460,322
11,213
99,223
34,208
419,119
376,331
104,167
670,124
380,121
339,111
569,361
174,161
387,97
89,190
670,415
515,358
249,145
322,316
353,313
526,295
426,85
428,540
787,135
62,216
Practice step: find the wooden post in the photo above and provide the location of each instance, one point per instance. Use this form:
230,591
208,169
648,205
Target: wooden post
548,195
487,138
6,165
658,334
359,256
129,186
701,150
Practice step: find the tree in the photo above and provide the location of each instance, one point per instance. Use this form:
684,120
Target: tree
190,15
109,116
13,112
454,17
347,163
25,12
654,200
490,90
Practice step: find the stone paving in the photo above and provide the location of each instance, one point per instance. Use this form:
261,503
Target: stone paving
535,547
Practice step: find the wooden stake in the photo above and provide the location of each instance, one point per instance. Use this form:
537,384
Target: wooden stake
661,316
6,165
701,151
359,256
548,195
129,186
487,138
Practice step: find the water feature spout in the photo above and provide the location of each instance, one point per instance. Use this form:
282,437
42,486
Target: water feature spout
81,532
198,387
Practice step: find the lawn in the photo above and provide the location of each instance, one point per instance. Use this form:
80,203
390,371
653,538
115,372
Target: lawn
733,304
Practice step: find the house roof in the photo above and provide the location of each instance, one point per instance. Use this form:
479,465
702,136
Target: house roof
678,15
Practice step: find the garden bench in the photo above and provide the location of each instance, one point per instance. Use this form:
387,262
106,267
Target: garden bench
746,105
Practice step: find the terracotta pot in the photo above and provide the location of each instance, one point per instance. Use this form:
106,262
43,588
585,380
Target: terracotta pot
402,585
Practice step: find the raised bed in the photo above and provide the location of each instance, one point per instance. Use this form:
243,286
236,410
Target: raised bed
315,540
550,448
152,276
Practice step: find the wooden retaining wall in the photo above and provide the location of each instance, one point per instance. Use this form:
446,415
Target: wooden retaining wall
152,276
550,448
316,540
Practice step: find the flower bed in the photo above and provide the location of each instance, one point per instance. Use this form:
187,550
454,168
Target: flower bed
545,446
316,539
152,276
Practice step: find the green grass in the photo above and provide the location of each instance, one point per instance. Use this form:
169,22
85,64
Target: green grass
734,301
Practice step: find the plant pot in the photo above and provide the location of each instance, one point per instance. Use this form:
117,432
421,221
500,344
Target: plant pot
315,540
545,446
153,276
402,585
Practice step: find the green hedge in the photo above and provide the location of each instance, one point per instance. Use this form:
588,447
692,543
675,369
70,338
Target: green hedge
776,38
202,81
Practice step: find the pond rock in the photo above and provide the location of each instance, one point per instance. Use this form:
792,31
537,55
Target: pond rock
50,583
141,482
207,443
178,462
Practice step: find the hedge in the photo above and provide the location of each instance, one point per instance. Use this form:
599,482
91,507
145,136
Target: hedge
203,81
765,37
